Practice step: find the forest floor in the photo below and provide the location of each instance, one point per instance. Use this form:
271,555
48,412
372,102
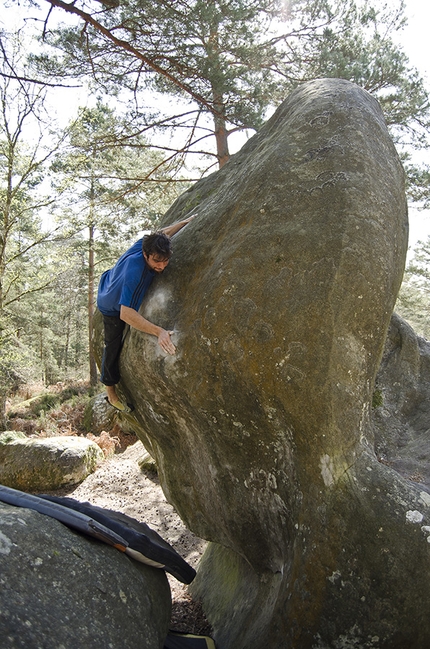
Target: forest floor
118,484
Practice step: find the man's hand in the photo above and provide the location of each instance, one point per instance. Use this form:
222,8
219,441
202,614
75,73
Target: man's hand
170,230
165,342
134,319
190,218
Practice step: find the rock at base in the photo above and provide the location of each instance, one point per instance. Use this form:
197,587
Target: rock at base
37,464
61,589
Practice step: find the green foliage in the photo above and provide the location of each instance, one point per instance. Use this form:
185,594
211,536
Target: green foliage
419,184
377,399
356,40
46,402
57,411
30,255
103,175
11,435
18,362
414,296
236,60
207,48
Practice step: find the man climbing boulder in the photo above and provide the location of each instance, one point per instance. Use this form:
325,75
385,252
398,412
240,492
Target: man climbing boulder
120,294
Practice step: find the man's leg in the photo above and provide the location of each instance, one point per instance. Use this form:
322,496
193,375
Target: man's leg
113,338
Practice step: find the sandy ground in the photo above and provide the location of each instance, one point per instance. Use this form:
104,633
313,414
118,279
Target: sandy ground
119,484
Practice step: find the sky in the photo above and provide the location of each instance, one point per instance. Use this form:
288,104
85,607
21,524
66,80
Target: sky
416,34
416,43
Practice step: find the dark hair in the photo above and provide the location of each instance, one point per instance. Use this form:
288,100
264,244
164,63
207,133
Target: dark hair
157,243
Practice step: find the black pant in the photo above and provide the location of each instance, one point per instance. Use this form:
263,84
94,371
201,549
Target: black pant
114,338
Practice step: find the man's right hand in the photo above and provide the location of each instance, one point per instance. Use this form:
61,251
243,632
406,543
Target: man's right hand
134,319
165,342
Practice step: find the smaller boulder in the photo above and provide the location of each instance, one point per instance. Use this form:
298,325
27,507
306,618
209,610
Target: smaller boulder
61,589
99,415
42,464
147,463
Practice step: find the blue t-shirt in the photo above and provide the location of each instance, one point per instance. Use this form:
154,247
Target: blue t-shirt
126,283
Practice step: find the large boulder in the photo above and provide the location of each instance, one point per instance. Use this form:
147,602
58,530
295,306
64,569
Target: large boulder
280,293
61,589
45,463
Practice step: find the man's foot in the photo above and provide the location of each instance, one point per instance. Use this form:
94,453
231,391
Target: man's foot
118,405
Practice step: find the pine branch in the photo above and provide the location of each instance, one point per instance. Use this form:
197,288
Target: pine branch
89,20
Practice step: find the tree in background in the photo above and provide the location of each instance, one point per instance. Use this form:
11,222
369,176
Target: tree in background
233,60
414,296
211,56
419,183
22,239
356,41
52,322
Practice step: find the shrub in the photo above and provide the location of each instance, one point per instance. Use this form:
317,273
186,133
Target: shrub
106,442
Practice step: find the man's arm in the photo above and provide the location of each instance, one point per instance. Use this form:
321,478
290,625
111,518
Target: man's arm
170,230
134,319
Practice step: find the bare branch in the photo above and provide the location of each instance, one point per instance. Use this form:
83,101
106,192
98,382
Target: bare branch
18,77
29,291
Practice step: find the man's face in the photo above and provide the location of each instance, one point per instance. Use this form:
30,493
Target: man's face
155,262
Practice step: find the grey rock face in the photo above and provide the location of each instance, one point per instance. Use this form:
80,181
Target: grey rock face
47,463
99,415
401,421
281,293
60,589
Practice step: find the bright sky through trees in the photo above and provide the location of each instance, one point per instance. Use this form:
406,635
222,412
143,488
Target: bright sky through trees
414,39
416,43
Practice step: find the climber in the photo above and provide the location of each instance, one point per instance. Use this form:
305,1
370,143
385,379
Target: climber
120,294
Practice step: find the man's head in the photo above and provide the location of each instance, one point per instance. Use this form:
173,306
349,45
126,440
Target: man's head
157,250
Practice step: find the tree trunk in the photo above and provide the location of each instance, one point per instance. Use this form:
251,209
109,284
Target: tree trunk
67,342
3,418
93,366
221,132
220,129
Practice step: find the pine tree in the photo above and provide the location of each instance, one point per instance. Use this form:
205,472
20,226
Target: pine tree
232,61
